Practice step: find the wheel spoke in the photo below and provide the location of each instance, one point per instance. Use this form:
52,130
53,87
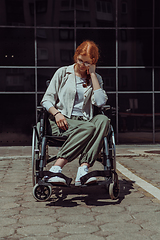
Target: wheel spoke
42,193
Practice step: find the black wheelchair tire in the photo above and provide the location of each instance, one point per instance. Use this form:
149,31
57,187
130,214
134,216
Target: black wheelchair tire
114,191
35,156
42,192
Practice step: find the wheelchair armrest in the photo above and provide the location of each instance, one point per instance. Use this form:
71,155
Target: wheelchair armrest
106,107
39,108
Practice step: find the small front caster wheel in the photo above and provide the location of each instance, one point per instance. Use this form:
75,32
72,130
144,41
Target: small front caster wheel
114,191
42,193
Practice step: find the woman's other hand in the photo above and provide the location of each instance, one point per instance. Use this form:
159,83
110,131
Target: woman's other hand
61,121
91,69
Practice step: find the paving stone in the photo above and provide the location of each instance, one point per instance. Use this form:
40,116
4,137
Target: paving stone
77,218
10,194
127,236
9,212
10,205
38,238
109,209
104,218
82,237
120,228
155,237
35,230
146,232
6,231
31,220
78,228
142,208
5,200
148,215
58,235
139,201
152,226
34,204
6,221
37,212
71,211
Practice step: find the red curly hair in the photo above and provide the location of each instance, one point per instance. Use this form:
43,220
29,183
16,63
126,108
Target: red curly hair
87,48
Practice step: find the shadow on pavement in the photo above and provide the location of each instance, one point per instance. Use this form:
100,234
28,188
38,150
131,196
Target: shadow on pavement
96,195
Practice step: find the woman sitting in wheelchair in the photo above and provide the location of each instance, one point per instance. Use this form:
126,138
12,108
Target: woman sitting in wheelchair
69,99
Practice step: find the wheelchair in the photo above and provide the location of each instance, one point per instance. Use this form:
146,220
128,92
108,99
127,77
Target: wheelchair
41,140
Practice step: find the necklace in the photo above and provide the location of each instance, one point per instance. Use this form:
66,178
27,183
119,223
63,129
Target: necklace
84,85
82,81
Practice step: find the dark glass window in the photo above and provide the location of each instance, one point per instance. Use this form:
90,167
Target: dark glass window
18,47
66,34
135,80
40,96
52,13
56,49
135,47
124,8
157,105
157,118
41,6
86,3
135,118
157,15
43,75
109,78
157,79
157,48
17,80
17,12
105,13
135,13
112,112
104,7
98,6
99,13
137,103
79,3
65,3
18,118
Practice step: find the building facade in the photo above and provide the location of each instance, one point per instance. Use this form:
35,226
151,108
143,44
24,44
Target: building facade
39,36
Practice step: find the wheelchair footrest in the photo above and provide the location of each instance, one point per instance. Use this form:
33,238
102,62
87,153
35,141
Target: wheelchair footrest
97,173
61,175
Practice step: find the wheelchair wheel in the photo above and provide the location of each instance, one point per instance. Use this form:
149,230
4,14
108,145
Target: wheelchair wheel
114,191
112,149
42,192
35,156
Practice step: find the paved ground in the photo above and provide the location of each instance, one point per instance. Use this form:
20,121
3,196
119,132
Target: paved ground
80,213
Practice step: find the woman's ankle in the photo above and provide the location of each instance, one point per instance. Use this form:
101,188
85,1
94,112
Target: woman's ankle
61,162
85,164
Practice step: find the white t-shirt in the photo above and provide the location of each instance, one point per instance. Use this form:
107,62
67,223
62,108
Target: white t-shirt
79,98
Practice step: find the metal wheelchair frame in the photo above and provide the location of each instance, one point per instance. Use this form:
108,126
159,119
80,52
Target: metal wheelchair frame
42,190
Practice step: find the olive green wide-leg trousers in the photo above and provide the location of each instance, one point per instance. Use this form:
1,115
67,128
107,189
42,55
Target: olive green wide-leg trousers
85,138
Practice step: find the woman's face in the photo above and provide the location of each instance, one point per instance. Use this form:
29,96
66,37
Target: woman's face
83,62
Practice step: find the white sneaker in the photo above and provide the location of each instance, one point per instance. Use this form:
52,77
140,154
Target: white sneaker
56,180
80,173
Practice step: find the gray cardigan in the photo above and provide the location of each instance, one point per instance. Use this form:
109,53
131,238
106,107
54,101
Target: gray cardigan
62,90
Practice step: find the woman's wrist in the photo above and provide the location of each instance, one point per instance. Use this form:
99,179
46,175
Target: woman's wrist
93,75
56,113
